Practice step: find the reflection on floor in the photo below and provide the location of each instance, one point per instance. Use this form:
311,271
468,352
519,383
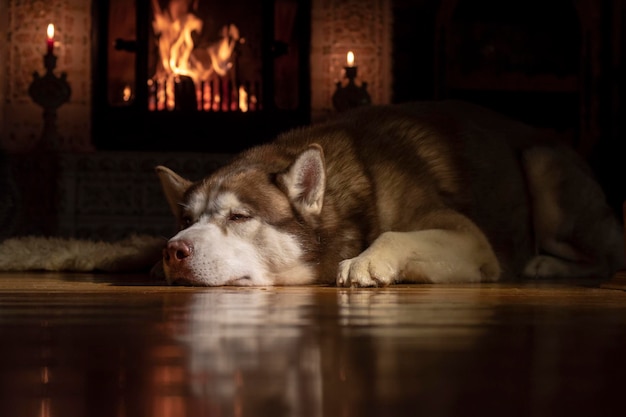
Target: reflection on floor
121,346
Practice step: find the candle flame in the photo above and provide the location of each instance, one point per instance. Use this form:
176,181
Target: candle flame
350,58
50,31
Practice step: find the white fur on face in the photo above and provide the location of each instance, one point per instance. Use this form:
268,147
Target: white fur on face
238,252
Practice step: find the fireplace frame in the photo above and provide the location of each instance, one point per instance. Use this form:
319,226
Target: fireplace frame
135,128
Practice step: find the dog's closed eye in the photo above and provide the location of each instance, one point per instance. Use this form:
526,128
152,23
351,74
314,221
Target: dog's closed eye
238,217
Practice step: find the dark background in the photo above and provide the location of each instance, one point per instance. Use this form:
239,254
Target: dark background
556,64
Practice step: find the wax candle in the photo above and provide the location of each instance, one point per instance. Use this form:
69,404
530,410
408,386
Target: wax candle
50,40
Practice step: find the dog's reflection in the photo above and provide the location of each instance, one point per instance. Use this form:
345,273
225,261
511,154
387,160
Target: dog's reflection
304,352
250,352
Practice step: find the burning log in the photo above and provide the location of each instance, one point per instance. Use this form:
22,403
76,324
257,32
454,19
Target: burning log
185,94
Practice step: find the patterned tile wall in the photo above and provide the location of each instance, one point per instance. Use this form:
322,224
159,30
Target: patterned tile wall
26,35
339,26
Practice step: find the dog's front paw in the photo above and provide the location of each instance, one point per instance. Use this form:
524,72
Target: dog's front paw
546,267
365,271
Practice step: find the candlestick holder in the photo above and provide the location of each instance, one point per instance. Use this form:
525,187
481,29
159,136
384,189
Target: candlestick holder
50,92
351,95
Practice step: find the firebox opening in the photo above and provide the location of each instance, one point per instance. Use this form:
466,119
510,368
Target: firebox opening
199,74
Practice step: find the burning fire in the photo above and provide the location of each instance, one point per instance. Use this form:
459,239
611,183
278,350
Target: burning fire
214,77
222,51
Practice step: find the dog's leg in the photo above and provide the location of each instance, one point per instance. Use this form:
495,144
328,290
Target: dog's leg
577,234
434,255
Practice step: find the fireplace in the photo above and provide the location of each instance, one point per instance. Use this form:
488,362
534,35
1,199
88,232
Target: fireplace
199,75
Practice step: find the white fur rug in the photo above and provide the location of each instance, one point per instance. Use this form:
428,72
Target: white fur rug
133,254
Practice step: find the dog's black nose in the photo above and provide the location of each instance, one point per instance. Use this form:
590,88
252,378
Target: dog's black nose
177,251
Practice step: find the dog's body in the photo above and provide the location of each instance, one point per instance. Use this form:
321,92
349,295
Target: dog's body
425,192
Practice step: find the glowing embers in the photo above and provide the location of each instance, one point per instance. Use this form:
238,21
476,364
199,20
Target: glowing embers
182,93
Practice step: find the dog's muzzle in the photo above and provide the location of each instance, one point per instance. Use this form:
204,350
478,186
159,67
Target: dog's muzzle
175,258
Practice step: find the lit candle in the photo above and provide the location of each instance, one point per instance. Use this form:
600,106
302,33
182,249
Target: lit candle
350,59
350,68
50,40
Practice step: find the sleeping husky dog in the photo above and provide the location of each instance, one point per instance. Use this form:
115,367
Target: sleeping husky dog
434,192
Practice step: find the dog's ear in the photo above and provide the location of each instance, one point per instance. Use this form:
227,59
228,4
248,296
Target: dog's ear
174,186
305,180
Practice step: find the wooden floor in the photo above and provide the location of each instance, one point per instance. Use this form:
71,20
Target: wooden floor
122,346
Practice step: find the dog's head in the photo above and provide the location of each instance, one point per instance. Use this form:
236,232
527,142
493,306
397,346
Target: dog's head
249,223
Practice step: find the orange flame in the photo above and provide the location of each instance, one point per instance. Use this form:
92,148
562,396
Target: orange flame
174,27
